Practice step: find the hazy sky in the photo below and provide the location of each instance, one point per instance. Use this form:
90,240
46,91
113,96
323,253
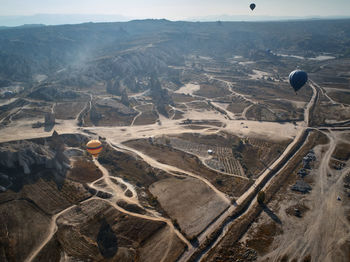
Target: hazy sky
176,9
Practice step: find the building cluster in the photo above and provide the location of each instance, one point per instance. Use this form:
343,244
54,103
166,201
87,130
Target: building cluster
310,157
307,160
301,185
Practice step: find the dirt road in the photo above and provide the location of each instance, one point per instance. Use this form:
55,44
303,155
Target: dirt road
324,229
118,135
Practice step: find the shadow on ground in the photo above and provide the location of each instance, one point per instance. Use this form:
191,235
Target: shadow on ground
107,240
272,215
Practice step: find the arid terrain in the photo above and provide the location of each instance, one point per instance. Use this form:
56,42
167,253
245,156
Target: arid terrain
192,130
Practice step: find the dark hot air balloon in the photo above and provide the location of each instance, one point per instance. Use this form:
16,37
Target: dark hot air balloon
297,79
252,6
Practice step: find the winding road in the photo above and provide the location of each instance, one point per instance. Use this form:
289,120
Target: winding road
118,193
251,190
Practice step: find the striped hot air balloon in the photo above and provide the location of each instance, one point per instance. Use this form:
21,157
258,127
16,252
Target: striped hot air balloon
94,147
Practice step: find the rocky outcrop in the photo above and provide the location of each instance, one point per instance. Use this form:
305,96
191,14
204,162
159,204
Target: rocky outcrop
114,104
124,98
27,154
24,162
53,93
49,119
160,96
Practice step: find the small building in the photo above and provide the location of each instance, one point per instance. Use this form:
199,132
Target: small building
302,172
311,156
210,152
301,186
306,165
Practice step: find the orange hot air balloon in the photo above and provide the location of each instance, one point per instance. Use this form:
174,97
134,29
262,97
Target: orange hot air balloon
94,147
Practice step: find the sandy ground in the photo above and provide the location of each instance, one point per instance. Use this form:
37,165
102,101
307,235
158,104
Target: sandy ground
177,196
200,203
51,231
160,247
118,192
7,101
317,58
297,104
324,231
246,63
188,89
258,74
23,130
241,199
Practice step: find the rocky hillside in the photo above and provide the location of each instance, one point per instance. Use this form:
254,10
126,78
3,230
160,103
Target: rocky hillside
24,162
138,48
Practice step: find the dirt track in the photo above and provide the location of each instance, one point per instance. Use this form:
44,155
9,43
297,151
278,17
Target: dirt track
324,231
23,130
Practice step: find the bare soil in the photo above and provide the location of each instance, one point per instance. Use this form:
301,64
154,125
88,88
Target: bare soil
146,118
68,110
201,203
84,172
22,227
212,90
342,152
267,223
233,186
48,196
78,231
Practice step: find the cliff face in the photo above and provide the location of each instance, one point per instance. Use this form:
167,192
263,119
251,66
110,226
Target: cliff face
25,155
34,185
20,159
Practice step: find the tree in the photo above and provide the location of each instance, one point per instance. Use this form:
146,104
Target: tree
261,197
218,181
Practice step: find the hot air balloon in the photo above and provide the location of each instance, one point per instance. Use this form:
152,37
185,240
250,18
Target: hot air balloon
252,6
297,79
94,147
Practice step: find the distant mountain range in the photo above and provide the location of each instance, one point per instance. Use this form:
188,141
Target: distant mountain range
252,17
139,48
59,19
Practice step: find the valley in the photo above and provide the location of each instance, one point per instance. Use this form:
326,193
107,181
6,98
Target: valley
190,137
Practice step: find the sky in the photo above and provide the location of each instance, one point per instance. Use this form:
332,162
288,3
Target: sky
176,9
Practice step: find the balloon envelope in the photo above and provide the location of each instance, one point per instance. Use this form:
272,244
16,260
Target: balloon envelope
94,147
252,6
297,79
